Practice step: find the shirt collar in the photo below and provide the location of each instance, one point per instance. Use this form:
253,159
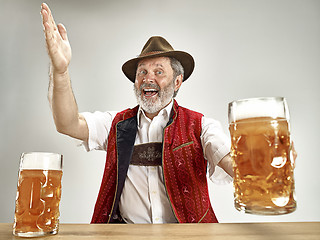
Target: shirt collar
165,112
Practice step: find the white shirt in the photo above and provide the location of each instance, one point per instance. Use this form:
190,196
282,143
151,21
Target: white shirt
144,198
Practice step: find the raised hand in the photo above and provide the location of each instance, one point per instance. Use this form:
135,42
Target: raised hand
60,95
59,49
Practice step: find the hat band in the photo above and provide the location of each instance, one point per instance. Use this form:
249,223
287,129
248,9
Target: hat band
150,53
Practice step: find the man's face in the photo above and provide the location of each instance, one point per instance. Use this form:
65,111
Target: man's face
154,86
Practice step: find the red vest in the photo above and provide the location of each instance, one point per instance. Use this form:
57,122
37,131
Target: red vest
184,167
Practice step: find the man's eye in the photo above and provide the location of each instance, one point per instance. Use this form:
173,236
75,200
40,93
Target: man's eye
142,72
159,72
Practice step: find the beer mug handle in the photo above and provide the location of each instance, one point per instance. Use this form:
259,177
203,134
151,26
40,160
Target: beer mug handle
293,155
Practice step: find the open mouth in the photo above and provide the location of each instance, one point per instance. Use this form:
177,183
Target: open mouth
150,92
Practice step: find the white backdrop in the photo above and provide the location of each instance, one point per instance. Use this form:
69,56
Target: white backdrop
242,49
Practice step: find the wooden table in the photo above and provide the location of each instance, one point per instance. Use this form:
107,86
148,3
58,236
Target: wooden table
217,231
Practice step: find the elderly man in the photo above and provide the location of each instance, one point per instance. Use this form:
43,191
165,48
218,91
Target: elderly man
158,152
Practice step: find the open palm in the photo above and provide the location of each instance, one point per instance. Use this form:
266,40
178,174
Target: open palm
58,46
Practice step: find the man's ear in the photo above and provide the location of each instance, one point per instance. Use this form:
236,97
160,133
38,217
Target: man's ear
178,82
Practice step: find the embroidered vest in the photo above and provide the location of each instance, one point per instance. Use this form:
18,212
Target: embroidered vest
184,167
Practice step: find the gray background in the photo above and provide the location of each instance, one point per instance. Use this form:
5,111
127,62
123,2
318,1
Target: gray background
242,49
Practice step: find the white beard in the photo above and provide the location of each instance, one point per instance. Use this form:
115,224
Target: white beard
157,103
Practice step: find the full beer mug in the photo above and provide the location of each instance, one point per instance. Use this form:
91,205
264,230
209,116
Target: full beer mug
38,195
261,153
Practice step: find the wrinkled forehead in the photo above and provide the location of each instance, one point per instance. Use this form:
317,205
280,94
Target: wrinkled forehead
155,62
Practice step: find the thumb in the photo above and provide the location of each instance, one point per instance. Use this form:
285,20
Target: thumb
63,31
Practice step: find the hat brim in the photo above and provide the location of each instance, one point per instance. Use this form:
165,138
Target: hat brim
129,68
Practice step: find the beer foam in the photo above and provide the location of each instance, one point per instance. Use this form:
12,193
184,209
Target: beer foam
258,107
41,160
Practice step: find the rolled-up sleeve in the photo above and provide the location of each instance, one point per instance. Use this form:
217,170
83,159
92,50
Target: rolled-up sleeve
99,124
216,145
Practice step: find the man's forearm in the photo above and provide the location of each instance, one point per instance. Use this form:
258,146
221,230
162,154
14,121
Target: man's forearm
62,102
226,164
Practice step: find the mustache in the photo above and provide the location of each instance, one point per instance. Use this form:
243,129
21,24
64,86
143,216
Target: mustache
149,85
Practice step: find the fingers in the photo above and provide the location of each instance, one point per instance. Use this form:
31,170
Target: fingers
49,24
47,17
53,34
58,46
63,32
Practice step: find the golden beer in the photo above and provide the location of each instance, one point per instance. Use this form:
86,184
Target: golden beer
38,199
263,168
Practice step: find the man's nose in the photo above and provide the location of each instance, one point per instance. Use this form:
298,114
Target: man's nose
149,78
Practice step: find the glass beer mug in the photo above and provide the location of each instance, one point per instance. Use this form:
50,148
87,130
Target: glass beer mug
38,195
261,149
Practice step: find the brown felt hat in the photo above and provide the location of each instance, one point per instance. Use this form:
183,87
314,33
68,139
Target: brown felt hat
158,47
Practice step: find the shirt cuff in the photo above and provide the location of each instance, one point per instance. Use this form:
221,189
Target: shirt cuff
91,143
216,174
